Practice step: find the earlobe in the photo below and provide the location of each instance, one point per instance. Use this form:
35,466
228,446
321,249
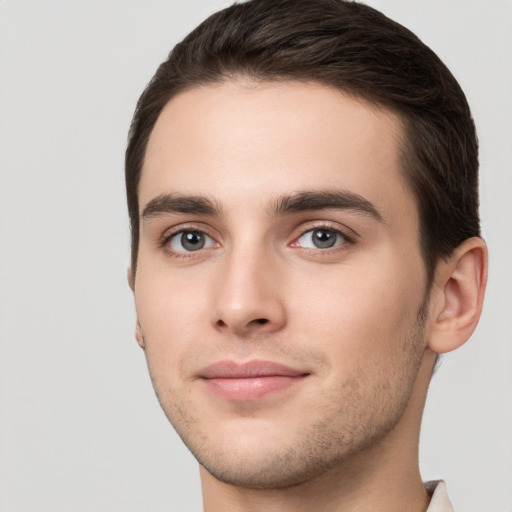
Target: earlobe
139,336
459,289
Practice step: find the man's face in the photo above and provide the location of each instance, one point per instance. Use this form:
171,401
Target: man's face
279,279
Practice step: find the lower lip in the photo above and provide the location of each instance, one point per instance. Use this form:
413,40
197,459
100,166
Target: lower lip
251,388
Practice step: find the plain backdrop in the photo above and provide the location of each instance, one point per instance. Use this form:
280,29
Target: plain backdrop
80,428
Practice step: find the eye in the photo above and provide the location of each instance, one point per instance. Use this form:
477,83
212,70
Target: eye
190,241
321,238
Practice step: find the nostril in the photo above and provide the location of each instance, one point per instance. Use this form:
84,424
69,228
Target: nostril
222,324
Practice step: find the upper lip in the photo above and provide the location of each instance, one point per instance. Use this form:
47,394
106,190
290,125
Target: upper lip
251,369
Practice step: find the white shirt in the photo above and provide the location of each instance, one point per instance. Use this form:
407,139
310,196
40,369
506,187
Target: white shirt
439,501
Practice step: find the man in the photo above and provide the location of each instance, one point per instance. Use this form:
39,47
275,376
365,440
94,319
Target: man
302,188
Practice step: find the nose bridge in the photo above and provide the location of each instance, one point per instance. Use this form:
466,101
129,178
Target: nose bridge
247,296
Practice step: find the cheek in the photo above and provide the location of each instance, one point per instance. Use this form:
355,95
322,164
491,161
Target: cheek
165,298
361,313
171,313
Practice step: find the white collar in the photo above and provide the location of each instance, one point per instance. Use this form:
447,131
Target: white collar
439,501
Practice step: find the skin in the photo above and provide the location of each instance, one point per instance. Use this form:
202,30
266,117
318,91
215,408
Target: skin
355,317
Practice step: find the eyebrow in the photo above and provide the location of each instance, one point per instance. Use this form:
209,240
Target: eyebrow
173,203
286,204
324,200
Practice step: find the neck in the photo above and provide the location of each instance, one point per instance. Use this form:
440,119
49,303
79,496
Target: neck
356,489
384,477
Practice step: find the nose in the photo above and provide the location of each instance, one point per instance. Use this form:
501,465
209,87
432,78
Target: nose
248,298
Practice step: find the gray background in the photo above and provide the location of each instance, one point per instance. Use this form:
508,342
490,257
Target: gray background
80,428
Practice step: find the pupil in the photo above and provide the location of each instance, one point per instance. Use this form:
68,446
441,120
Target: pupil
323,238
192,240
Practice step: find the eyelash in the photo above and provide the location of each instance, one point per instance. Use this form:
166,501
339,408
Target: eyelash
347,239
168,237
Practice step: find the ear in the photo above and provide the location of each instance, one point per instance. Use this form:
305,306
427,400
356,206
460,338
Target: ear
138,331
457,296
130,276
139,336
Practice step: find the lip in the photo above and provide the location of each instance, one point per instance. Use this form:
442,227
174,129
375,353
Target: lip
249,381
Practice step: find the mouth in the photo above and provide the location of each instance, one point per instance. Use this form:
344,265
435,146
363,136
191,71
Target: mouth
249,381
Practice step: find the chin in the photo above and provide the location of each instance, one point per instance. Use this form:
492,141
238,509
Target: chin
275,465
274,472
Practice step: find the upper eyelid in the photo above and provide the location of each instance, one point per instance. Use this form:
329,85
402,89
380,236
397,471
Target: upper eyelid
346,239
344,230
180,228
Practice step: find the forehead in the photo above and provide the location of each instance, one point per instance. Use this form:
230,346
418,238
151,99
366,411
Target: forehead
260,139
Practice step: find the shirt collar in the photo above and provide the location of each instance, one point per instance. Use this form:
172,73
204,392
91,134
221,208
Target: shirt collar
439,501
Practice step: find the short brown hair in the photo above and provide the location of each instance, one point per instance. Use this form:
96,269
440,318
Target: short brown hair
358,50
